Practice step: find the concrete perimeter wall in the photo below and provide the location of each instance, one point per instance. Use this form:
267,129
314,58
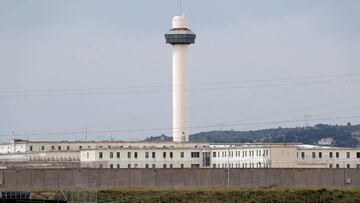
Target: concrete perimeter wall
87,179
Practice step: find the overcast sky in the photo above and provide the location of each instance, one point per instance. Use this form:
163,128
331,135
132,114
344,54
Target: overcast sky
103,65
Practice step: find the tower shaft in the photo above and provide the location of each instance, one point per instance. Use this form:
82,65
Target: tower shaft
180,94
180,36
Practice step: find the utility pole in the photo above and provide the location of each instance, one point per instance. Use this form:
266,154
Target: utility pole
86,133
228,167
307,120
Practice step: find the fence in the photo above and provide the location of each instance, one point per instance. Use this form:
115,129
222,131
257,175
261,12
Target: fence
272,195
67,179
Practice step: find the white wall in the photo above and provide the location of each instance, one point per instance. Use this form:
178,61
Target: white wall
91,158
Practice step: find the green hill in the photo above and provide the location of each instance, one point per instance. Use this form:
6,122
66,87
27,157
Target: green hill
345,136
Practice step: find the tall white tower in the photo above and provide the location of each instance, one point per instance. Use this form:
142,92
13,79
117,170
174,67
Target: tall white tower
180,36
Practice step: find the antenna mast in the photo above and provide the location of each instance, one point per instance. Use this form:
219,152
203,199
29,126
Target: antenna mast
180,5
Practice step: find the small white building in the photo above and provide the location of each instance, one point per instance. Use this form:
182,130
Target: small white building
327,141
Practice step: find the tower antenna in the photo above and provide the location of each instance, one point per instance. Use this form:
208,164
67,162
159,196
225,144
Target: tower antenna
180,5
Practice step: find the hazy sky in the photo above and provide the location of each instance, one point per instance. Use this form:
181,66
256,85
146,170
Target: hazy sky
104,65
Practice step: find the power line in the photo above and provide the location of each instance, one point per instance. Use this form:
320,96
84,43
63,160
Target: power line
244,99
146,88
55,93
191,127
169,114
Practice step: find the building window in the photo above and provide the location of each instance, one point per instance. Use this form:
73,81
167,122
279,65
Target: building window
117,154
31,148
68,148
303,155
347,165
118,165
129,165
129,155
348,155
357,154
59,148
111,166
135,165
330,154
182,154
357,165
337,166
100,155
214,154
153,166
214,165
337,154
320,155
153,155
42,148
80,147
52,147
146,165
171,155
195,165
164,166
146,155
313,155
181,165
164,155
195,154
111,155
330,165
171,166
135,155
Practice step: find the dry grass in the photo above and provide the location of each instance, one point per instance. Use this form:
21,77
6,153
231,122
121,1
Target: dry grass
270,195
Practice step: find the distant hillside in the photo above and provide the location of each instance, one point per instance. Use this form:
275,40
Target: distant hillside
345,136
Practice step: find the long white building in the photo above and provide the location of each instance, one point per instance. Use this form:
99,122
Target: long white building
118,154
